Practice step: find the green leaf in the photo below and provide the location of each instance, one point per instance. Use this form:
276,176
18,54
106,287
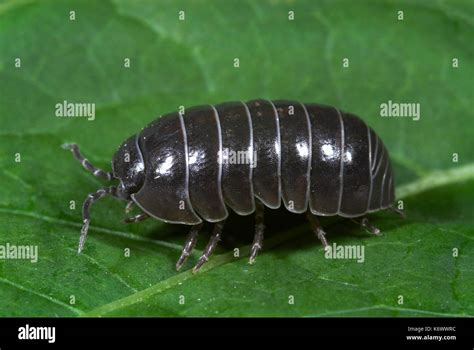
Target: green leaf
188,63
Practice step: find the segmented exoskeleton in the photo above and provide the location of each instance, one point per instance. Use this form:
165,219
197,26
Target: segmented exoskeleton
193,167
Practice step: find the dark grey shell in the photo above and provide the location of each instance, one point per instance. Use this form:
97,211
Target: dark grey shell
304,155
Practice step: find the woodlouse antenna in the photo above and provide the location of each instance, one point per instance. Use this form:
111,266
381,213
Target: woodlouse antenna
91,198
85,163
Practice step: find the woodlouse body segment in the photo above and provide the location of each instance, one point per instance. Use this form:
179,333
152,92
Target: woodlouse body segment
237,157
192,167
165,192
326,165
267,150
295,140
203,132
356,179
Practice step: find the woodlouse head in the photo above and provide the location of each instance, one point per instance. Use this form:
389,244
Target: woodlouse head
128,167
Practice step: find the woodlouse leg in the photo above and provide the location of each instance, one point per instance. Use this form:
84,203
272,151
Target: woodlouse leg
317,229
259,229
129,206
91,198
364,222
211,246
397,211
136,218
189,245
85,163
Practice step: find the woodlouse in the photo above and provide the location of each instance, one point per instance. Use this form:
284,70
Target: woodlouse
315,159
